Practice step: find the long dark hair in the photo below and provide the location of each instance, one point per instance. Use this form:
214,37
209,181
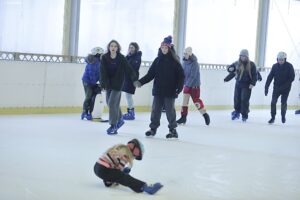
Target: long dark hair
171,52
136,46
118,44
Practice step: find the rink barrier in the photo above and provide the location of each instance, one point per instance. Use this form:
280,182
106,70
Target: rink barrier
33,57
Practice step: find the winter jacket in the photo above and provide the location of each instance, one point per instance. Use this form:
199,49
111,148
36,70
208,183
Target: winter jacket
135,61
191,72
244,77
168,76
283,76
92,70
117,157
113,72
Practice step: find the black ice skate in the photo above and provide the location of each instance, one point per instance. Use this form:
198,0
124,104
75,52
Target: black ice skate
272,120
181,120
172,134
151,132
206,118
283,120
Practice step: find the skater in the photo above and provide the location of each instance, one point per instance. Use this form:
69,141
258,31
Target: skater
114,67
283,74
168,76
134,59
89,80
246,76
114,166
191,86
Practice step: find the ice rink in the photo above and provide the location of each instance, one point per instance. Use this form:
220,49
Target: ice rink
51,157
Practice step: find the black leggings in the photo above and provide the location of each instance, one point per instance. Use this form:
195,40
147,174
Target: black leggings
117,176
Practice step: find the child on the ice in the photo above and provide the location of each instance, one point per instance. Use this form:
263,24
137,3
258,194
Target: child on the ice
114,165
89,81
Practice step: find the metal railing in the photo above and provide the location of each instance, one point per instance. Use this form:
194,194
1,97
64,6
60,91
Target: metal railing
33,57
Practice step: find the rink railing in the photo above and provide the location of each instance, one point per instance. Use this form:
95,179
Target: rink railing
33,57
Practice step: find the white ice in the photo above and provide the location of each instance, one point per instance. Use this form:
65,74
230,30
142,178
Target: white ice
47,157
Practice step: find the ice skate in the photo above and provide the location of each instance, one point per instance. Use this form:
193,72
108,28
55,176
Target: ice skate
181,120
235,115
152,189
172,134
130,115
206,118
112,130
272,120
151,132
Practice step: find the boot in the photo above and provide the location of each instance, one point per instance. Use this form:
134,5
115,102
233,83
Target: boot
112,130
151,132
120,123
272,120
172,134
130,115
235,115
181,120
206,118
152,189
283,120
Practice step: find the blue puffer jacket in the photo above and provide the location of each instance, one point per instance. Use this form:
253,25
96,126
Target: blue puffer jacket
135,61
191,72
92,70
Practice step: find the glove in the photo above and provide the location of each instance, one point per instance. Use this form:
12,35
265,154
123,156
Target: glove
126,170
251,86
137,84
266,91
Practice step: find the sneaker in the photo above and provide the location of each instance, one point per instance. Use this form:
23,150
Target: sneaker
172,134
151,132
112,130
152,189
272,120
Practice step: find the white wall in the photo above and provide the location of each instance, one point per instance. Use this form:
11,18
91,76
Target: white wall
42,84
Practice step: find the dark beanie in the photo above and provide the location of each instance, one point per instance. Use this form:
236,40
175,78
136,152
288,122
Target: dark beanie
167,41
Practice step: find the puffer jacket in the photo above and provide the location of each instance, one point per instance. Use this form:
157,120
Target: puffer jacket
92,70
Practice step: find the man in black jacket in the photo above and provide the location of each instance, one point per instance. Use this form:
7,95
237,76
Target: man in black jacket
283,74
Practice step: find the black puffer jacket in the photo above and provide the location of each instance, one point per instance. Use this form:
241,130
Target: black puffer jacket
283,76
168,76
135,61
114,78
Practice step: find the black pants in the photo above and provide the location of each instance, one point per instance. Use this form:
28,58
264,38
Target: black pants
241,100
117,176
284,96
157,105
91,92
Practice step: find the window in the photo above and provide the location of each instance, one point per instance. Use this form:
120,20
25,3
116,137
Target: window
218,29
146,22
31,26
283,31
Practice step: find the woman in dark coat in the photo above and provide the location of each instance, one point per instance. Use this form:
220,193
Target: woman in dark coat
134,59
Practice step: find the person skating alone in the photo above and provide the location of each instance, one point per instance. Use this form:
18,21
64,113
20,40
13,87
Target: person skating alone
283,74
